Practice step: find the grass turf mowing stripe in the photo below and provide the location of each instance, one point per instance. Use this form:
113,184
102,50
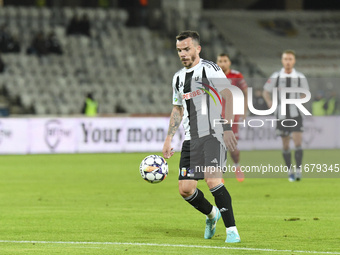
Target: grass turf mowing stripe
171,245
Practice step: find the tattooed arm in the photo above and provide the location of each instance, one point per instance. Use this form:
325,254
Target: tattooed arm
175,121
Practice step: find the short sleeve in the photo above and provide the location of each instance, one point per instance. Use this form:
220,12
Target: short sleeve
270,84
304,82
219,80
176,97
241,83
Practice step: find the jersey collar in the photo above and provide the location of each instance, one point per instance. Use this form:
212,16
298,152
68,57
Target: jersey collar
194,67
283,74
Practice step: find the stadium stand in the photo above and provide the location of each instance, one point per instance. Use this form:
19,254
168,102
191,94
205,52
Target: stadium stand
120,65
124,67
313,35
213,40
129,69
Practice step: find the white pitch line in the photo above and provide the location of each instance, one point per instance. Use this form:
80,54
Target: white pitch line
172,245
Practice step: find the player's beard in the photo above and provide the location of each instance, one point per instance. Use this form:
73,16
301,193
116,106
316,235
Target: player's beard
191,61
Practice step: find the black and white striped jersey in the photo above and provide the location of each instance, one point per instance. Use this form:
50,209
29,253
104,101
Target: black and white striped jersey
281,80
198,90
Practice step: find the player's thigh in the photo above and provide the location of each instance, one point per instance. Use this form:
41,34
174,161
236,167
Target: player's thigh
285,142
282,128
297,138
187,187
191,161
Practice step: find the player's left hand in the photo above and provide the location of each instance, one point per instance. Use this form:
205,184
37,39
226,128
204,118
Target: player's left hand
230,140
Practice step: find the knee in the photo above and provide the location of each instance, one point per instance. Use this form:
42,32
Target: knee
186,191
298,145
213,182
286,147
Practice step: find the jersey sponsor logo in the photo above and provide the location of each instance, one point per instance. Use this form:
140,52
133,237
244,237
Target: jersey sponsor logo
192,94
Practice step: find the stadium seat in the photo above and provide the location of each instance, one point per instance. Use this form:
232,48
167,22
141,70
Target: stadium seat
39,109
104,64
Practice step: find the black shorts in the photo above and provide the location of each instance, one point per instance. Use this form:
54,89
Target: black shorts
199,153
292,125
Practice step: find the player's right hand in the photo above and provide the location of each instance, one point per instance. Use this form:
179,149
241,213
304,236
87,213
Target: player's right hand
167,150
230,140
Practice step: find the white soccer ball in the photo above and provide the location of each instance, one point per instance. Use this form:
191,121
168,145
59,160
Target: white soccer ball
153,168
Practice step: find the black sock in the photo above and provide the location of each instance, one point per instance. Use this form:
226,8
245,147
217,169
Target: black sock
198,201
287,157
298,156
223,202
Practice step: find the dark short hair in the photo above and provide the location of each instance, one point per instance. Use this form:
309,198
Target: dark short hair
188,34
224,55
289,52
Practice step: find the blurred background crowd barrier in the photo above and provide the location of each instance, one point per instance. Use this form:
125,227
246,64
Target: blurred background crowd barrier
142,134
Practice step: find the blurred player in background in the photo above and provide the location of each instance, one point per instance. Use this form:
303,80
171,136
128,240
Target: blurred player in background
236,79
288,77
204,144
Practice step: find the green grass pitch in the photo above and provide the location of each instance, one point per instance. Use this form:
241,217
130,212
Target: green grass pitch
101,204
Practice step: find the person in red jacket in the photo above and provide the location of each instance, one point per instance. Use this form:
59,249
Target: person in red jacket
236,79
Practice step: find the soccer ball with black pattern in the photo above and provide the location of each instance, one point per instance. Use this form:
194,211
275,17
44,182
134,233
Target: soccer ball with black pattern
153,168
